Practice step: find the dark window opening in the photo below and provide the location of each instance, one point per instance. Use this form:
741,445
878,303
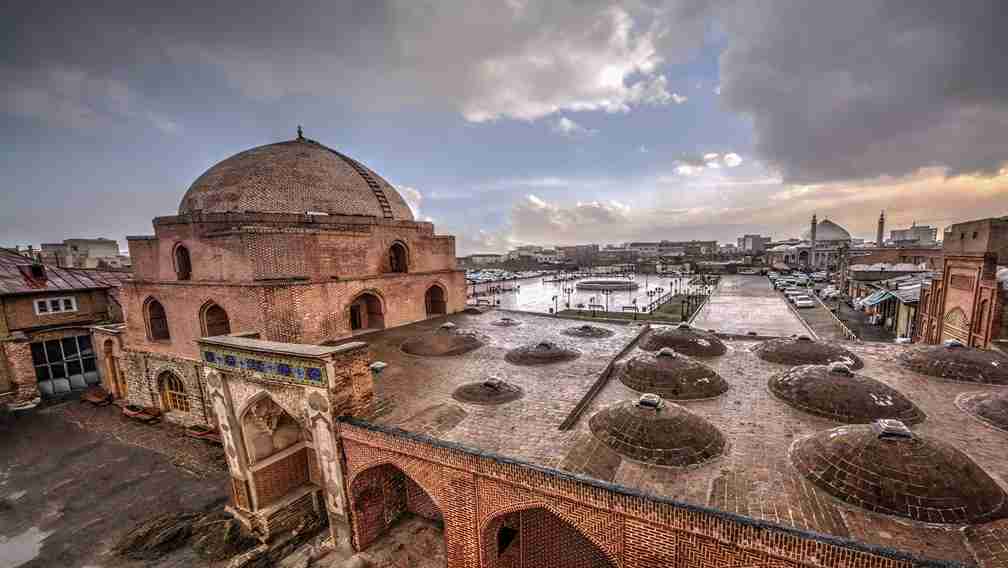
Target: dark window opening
157,321
397,258
215,321
505,537
355,318
183,265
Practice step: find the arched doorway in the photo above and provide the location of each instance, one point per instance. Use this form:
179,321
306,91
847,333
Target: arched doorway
434,300
366,313
384,495
535,537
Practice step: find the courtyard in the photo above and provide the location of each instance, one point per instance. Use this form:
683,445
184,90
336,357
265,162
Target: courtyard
74,478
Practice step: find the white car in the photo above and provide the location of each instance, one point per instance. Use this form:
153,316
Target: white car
803,302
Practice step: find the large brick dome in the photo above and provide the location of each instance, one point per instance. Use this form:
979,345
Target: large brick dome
294,177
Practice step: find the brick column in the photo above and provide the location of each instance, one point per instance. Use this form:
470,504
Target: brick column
24,384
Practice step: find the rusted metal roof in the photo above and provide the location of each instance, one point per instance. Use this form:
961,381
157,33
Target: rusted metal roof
17,277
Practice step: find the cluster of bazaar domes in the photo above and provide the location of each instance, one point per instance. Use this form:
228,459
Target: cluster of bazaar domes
872,459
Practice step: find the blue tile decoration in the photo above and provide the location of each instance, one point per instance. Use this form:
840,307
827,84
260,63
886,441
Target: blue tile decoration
276,368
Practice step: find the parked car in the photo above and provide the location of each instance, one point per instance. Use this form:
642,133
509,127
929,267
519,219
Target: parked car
803,302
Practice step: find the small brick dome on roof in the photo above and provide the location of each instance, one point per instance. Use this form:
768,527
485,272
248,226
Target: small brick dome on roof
667,435
957,362
297,176
671,375
920,478
684,339
833,391
804,351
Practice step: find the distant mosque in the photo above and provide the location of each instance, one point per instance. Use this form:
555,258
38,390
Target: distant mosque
821,247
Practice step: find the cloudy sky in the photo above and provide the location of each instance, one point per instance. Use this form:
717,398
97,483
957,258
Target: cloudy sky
512,121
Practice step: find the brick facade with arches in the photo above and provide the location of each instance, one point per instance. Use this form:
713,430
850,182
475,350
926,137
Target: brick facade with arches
293,242
573,522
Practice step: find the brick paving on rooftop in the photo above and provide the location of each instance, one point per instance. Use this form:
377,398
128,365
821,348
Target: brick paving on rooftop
754,477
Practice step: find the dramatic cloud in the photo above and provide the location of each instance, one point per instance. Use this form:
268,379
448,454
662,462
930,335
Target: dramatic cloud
861,88
73,98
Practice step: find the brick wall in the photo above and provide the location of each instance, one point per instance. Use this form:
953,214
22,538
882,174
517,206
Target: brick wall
590,518
275,480
20,371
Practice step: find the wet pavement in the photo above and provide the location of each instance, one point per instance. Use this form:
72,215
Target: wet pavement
742,304
68,493
536,294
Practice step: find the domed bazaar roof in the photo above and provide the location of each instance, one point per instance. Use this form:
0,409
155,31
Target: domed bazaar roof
297,176
886,468
656,431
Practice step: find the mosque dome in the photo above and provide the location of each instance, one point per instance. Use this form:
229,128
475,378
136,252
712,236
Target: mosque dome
804,351
684,339
827,230
671,376
886,468
835,392
296,176
656,431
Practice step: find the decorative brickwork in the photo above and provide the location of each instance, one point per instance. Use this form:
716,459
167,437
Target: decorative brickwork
625,528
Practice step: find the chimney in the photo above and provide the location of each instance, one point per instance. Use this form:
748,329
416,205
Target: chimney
879,239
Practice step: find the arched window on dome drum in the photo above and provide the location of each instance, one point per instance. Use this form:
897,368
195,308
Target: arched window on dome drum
215,321
183,265
398,258
157,321
173,395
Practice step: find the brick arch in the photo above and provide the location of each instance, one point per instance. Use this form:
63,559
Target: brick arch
385,502
416,471
570,520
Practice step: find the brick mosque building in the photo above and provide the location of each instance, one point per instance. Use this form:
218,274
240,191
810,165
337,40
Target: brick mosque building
291,242
296,305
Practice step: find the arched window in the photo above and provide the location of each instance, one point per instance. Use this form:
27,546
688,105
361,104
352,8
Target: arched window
157,321
398,258
434,301
183,265
173,395
215,321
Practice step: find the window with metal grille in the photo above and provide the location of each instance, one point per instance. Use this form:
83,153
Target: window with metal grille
157,321
69,358
215,321
173,395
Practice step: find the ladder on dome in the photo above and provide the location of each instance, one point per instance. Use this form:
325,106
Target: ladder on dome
379,194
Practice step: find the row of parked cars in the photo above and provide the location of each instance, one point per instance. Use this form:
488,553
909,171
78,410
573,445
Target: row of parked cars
796,287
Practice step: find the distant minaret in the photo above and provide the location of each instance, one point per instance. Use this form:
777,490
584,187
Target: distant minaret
812,252
880,236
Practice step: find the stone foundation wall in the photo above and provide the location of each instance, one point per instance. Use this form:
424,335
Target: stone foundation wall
142,371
